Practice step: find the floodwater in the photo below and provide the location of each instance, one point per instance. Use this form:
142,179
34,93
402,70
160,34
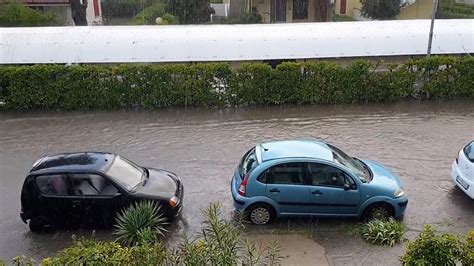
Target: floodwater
419,141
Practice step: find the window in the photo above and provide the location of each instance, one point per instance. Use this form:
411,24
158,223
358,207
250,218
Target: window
469,151
91,184
52,184
300,9
287,173
357,166
325,175
249,162
125,173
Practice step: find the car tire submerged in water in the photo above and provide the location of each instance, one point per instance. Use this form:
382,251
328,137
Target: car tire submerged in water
261,213
40,224
380,211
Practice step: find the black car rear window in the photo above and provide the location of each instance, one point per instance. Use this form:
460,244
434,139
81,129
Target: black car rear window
469,151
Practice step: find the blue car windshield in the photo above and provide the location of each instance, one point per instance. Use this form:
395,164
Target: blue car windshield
125,173
355,165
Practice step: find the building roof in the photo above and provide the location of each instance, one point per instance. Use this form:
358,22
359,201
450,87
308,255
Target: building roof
204,43
89,161
295,149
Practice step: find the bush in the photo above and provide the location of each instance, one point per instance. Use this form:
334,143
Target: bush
125,8
149,15
220,243
93,252
17,15
381,232
140,223
55,87
251,18
443,249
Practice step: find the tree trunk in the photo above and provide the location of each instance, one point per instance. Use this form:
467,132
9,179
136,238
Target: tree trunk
78,12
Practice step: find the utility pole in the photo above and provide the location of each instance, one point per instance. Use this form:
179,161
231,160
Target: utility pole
430,40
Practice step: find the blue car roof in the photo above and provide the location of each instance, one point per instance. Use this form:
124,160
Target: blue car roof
295,149
88,161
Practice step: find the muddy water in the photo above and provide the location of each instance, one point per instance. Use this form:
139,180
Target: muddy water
419,141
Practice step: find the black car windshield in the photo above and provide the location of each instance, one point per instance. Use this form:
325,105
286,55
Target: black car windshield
355,165
248,163
125,173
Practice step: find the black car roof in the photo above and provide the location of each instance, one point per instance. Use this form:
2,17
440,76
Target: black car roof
78,161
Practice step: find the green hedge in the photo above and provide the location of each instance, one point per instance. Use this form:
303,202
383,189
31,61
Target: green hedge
54,87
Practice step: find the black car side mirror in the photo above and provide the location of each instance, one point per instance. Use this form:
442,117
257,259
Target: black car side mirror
347,187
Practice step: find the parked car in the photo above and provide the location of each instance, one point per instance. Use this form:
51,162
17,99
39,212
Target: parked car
313,178
463,169
90,188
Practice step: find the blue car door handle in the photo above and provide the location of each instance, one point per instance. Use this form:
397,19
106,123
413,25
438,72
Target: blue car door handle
275,190
317,192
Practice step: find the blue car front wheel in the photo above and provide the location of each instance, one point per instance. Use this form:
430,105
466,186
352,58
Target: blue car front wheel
261,213
378,211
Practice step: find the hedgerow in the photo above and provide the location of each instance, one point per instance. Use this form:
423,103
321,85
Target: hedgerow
57,87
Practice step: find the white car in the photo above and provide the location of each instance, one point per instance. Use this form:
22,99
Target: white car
463,170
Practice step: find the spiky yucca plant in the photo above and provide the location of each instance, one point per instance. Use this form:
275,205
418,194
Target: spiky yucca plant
383,232
222,244
141,222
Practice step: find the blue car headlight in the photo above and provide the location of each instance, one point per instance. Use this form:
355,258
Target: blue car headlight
399,193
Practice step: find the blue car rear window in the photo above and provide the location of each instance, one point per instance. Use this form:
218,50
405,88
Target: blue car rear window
249,162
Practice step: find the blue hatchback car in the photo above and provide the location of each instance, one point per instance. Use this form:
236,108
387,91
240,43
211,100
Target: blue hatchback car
313,178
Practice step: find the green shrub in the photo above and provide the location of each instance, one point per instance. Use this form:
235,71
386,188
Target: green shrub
17,15
140,223
55,87
221,243
444,249
381,232
125,8
21,261
93,252
452,9
248,18
149,15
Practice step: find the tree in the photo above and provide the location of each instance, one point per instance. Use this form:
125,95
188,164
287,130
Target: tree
380,9
191,11
17,15
78,12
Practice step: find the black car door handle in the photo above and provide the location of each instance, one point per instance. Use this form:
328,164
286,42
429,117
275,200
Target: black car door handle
317,192
274,190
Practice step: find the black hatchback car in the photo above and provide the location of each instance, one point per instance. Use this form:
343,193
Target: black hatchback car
90,188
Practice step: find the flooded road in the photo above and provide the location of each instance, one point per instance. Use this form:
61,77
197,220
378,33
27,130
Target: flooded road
419,141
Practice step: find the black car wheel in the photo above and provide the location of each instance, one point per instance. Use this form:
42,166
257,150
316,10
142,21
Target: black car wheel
378,211
41,224
261,213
